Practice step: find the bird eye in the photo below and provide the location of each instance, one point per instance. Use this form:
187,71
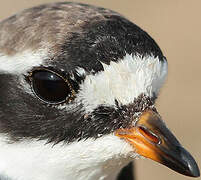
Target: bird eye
50,87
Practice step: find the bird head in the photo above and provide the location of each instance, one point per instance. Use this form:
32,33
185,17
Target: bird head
85,80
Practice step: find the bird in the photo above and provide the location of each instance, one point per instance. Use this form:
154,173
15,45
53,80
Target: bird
78,86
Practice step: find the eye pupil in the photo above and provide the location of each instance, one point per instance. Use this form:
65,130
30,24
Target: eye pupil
49,86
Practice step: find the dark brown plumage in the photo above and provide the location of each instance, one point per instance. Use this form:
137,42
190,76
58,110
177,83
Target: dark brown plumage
35,28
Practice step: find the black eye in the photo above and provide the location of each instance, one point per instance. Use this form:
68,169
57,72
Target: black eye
49,86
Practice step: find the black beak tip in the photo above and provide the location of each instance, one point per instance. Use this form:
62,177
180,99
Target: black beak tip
192,167
194,172
182,162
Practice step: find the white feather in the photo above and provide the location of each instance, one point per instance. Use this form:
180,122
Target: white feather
91,159
124,80
22,62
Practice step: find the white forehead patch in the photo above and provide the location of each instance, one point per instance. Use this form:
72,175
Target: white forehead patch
22,62
124,81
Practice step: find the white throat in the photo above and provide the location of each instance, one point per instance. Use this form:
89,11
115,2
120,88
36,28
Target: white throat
99,159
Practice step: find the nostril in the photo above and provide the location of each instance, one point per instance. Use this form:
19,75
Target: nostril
149,135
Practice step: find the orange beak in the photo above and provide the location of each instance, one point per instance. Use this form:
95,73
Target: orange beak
152,139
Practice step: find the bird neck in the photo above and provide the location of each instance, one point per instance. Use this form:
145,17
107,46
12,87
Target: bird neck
90,159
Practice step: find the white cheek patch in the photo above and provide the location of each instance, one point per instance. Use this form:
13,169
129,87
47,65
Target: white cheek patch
124,81
22,62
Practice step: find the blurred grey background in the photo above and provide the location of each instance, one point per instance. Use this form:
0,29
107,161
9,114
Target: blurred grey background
176,27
